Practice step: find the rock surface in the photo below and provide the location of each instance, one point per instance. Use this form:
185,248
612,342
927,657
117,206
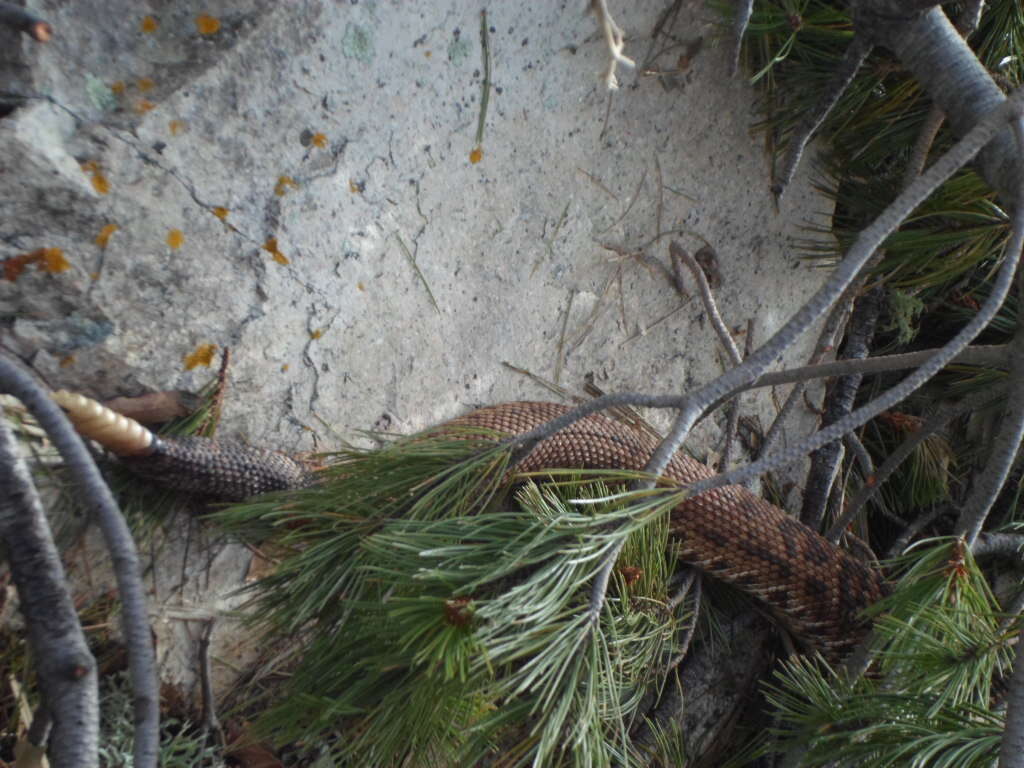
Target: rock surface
294,181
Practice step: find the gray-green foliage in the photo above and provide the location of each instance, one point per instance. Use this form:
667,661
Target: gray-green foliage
446,620
906,309
181,745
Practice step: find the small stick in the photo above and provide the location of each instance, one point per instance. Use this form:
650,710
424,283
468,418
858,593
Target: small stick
676,252
152,408
688,635
561,338
210,723
23,20
614,38
597,183
632,202
651,263
732,428
645,329
549,385
624,414
412,261
661,194
595,312
209,426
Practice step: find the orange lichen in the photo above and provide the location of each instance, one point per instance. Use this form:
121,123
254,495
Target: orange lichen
283,184
271,247
175,238
177,127
476,155
118,87
104,236
99,182
316,334
285,367
142,106
207,24
201,355
47,259
360,286
146,84
15,265
67,360
356,187
319,140
53,261
149,24
221,213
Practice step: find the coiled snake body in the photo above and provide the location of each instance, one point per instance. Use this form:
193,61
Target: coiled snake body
816,588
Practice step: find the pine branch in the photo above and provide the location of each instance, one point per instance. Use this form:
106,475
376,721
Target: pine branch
939,58
1011,752
843,75
828,340
1011,426
1002,544
994,356
838,403
135,620
869,240
64,664
743,10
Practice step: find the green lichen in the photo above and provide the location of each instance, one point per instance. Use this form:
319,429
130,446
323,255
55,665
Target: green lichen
99,93
357,43
905,309
459,50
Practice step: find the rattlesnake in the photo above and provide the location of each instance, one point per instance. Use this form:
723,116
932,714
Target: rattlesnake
817,589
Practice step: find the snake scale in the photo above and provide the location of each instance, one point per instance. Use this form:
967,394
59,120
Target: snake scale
818,590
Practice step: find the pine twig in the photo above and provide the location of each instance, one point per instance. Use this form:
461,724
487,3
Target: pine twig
843,75
677,253
839,403
684,644
680,256
828,339
923,143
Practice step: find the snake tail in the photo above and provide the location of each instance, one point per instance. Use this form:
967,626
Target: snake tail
225,469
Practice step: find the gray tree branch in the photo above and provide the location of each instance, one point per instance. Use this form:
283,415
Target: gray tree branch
135,619
64,664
